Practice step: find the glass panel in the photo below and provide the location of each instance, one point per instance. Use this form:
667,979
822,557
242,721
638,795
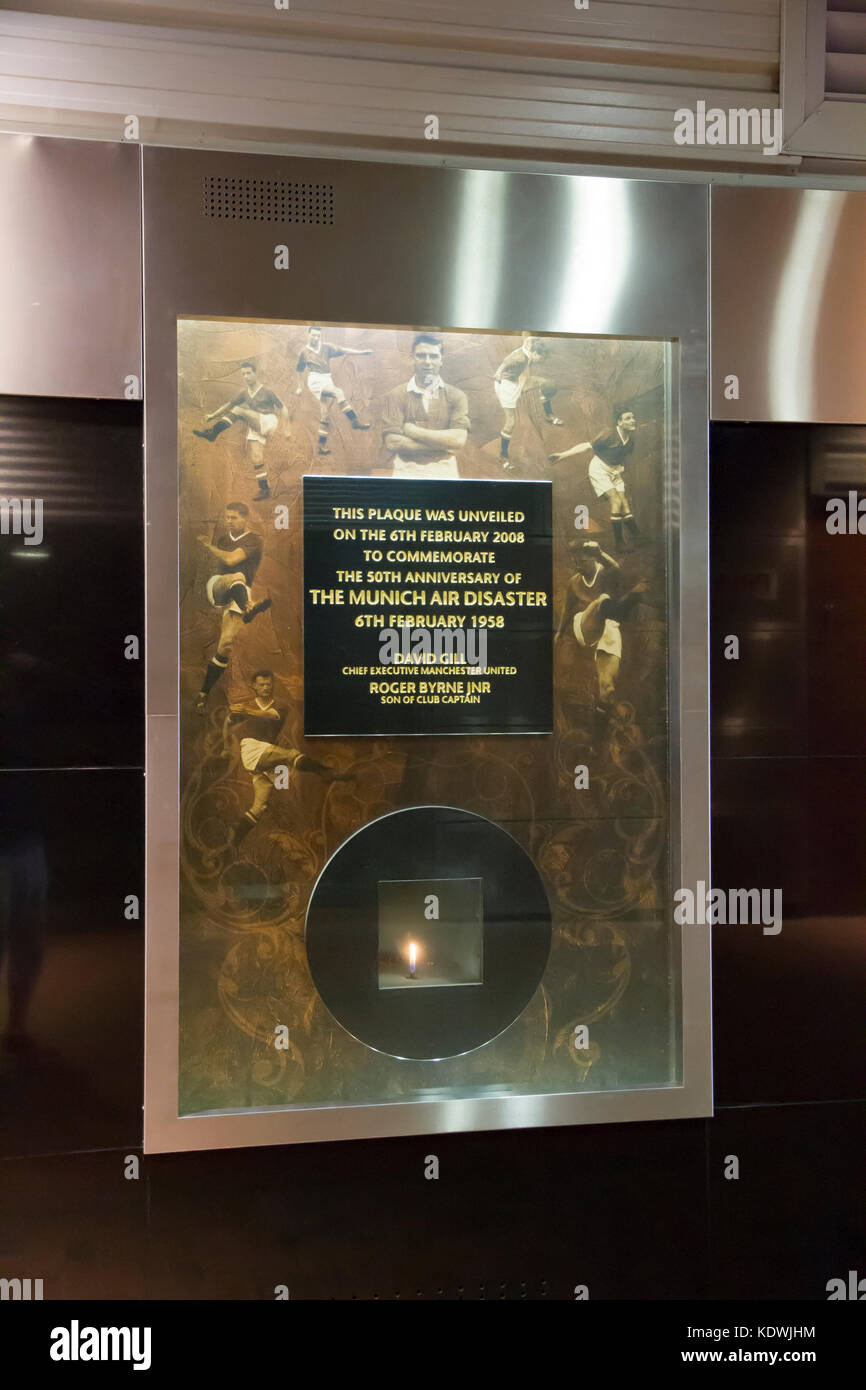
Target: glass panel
428,612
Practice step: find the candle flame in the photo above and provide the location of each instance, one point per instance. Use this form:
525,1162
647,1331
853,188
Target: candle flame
413,951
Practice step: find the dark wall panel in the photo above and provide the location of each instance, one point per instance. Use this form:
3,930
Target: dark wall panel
71,1050
789,787
69,696
794,1217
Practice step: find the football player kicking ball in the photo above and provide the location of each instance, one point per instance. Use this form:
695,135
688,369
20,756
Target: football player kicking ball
238,552
514,377
595,616
261,752
315,360
262,411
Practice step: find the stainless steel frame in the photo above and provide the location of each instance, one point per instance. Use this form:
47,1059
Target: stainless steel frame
788,284
70,268
468,249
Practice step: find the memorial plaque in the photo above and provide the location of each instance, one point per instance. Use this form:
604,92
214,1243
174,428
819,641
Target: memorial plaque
428,606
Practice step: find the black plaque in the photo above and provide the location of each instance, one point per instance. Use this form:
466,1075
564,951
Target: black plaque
408,584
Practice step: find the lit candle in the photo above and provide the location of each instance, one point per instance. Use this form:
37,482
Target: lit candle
413,952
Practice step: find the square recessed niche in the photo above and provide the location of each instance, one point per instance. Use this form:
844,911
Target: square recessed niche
431,932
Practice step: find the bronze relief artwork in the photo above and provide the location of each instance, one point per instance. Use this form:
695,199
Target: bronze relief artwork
273,818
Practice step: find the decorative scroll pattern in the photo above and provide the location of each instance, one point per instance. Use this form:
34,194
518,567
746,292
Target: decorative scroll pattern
602,851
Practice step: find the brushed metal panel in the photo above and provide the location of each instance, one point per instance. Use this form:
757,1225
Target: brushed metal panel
462,249
70,267
789,304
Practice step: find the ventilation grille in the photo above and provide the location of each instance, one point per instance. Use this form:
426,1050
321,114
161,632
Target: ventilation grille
268,200
845,47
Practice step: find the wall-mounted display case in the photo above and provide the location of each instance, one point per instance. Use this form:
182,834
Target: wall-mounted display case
427,645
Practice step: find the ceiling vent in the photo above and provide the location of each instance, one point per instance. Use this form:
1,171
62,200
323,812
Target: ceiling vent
824,78
845,50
